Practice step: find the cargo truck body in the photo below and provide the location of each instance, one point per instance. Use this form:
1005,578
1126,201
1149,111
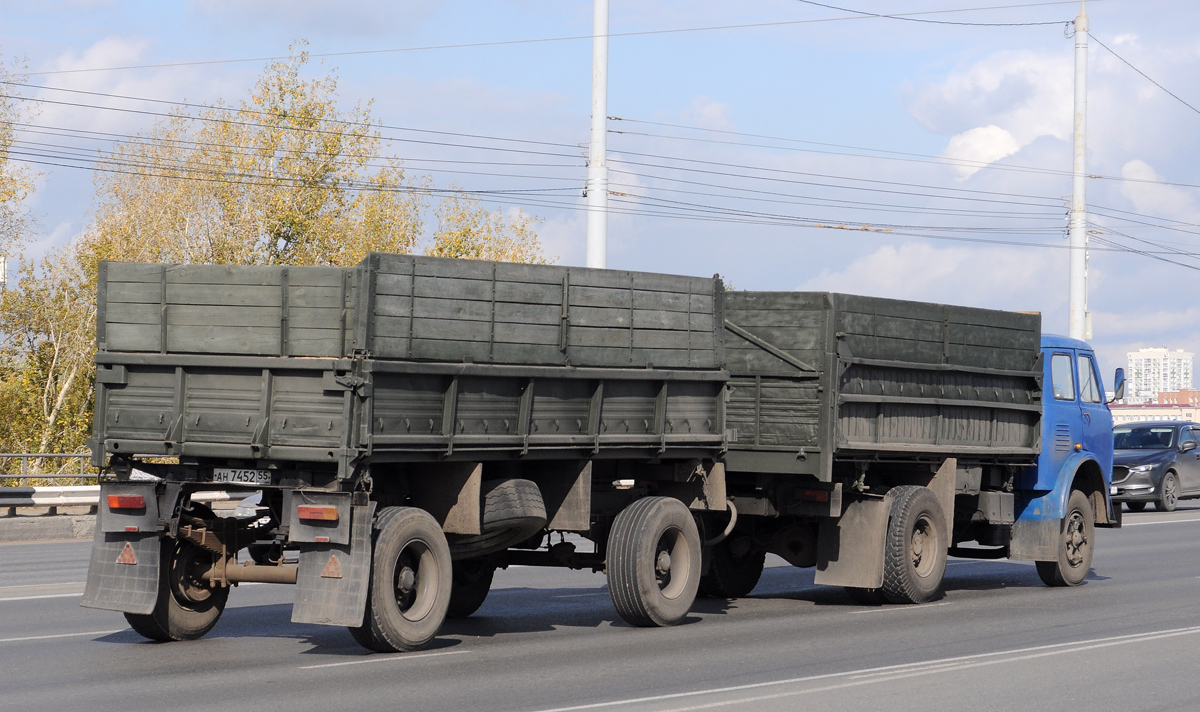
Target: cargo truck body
408,425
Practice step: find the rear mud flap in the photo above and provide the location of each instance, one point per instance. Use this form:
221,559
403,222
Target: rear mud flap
123,574
850,549
331,586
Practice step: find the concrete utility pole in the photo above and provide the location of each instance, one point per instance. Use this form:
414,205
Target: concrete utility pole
597,180
1080,322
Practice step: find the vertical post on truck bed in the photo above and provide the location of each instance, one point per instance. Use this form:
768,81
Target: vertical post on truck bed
597,180
1078,323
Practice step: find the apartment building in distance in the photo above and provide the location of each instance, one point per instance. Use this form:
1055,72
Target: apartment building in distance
1154,371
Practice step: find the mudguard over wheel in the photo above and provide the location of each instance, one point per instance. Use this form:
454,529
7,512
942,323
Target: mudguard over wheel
734,568
513,511
914,559
409,588
472,581
1076,543
653,561
187,608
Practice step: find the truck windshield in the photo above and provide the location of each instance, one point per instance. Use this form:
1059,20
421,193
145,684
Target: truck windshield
1142,438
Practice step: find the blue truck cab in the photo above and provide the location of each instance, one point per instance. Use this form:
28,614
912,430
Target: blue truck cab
1060,501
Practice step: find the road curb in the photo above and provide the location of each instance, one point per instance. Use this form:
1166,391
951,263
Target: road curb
48,527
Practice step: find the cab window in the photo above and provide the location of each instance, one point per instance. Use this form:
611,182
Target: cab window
1089,384
1062,377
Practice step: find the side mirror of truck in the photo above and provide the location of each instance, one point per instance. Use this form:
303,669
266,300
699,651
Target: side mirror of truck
1118,385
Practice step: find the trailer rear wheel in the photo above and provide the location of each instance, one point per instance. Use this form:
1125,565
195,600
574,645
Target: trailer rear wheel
734,569
513,511
653,562
409,588
1076,543
187,607
914,559
472,581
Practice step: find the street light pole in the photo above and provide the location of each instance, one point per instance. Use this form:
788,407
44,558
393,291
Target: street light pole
597,180
1079,322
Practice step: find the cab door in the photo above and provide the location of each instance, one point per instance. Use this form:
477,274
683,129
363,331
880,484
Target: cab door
1097,423
1061,424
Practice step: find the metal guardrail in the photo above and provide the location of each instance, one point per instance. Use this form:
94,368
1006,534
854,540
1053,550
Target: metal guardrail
26,457
83,496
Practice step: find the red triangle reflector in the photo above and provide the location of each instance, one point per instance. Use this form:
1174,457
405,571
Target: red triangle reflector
127,556
333,569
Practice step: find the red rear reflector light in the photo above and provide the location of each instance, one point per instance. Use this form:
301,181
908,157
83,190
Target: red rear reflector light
131,529
319,514
813,495
126,501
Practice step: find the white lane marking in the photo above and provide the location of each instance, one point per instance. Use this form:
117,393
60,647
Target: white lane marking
61,635
39,585
1172,521
582,595
384,658
47,595
905,608
890,672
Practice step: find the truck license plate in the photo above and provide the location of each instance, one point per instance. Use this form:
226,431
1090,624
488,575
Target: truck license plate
249,477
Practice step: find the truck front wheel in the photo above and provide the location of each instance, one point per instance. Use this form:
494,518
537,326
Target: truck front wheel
654,562
187,607
915,556
1076,542
409,588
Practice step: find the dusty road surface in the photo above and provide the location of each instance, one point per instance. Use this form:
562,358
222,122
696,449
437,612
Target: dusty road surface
1128,639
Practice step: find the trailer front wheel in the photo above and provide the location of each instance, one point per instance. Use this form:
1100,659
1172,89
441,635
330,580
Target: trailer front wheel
472,582
915,558
187,607
1075,545
654,562
410,582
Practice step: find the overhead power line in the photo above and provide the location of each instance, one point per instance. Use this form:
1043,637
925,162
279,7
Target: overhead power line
539,40
934,22
1147,77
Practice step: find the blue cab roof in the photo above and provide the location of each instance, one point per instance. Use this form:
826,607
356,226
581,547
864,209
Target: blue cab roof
1051,341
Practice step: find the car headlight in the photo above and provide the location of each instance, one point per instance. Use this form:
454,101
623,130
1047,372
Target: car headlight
1142,468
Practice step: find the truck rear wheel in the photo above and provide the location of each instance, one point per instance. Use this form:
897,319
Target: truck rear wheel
472,581
513,511
734,568
1076,542
186,608
653,562
410,582
914,559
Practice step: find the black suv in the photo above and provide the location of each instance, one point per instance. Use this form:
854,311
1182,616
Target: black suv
1155,462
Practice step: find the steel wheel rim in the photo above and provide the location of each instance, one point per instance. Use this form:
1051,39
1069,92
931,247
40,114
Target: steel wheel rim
1170,491
672,562
415,580
922,546
1076,539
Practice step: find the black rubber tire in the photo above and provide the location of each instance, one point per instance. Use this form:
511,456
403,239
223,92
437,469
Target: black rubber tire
409,587
512,512
472,582
648,588
1168,493
914,559
1136,506
866,596
729,575
1076,543
186,608
265,554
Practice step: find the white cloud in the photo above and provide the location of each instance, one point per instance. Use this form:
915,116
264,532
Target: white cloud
978,147
992,277
1155,198
705,113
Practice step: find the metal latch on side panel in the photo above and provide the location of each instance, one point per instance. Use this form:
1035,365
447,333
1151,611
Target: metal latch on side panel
334,381
317,517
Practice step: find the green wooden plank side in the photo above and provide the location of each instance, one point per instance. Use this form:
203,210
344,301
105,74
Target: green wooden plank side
315,296
548,314
134,292
304,341
222,316
136,338
134,272
224,275
393,284
452,288
130,313
526,293
528,334
229,295
247,340
313,317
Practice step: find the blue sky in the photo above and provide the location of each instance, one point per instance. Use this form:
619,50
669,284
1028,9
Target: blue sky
923,92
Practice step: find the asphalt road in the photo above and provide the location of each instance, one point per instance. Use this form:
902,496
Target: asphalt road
1128,639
